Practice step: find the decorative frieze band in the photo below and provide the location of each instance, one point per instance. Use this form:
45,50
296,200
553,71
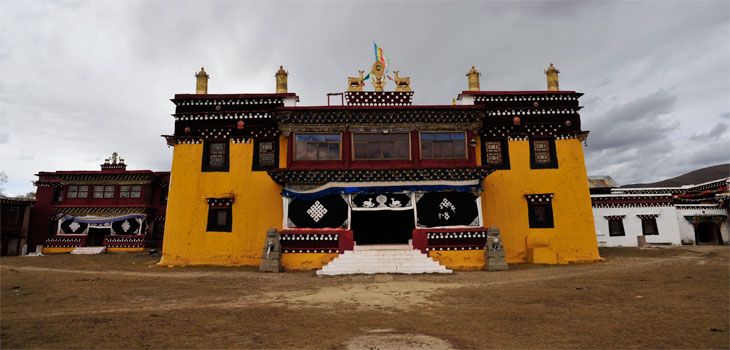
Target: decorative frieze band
647,216
221,116
536,198
237,102
220,202
531,98
240,139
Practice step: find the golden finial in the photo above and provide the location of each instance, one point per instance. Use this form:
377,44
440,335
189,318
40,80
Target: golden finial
281,80
401,83
201,86
552,78
355,83
376,73
473,76
453,102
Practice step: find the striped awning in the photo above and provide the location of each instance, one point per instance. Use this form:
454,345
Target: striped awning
102,211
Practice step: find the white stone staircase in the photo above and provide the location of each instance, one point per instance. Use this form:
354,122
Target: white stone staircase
88,250
382,258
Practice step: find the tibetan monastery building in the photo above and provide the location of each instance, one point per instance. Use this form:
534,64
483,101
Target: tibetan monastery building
378,170
112,209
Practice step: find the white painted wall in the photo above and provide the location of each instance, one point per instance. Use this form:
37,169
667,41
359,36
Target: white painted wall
666,225
687,231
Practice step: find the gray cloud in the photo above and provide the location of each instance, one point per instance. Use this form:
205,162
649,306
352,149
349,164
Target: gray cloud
83,79
718,130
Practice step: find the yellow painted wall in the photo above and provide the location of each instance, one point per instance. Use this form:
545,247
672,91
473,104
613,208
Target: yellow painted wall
47,250
124,250
256,208
306,261
459,260
573,238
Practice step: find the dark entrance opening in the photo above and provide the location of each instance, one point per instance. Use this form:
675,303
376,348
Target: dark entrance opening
707,233
95,238
382,226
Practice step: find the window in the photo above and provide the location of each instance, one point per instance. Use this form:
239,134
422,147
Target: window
443,145
266,155
220,214
381,146
75,191
317,147
57,195
542,154
648,225
215,156
163,195
108,191
616,226
495,154
103,191
127,191
540,210
98,191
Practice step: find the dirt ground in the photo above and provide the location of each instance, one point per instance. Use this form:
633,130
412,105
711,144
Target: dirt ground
639,298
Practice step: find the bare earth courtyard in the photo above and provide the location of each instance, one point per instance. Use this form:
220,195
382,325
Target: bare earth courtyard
639,298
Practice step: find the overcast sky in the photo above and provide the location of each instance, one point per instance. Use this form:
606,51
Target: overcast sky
83,79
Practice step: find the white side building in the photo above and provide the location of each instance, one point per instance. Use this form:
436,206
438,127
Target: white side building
692,214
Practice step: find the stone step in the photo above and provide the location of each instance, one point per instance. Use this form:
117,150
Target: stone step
88,250
382,258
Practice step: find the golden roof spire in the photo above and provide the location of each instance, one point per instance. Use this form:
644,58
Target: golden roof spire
552,78
281,80
473,76
201,85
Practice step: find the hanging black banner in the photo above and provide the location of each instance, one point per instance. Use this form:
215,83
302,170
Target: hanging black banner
447,209
130,228
71,227
330,211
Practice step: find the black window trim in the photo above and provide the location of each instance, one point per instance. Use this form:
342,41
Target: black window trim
549,221
553,164
621,222
206,167
505,153
256,166
212,226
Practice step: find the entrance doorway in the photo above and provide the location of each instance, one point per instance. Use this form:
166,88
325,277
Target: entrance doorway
95,238
382,226
707,233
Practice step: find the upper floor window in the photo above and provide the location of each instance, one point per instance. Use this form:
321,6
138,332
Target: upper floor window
266,155
542,154
317,147
495,154
103,191
127,191
57,195
381,146
441,145
215,156
75,191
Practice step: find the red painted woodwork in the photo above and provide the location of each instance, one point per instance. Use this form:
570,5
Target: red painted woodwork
347,162
420,236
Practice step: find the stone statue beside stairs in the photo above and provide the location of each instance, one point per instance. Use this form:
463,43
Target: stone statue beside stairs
271,257
494,252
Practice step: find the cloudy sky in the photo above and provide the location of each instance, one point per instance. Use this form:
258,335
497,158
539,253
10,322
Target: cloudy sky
82,79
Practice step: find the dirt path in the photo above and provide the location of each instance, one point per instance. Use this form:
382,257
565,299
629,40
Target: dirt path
637,299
